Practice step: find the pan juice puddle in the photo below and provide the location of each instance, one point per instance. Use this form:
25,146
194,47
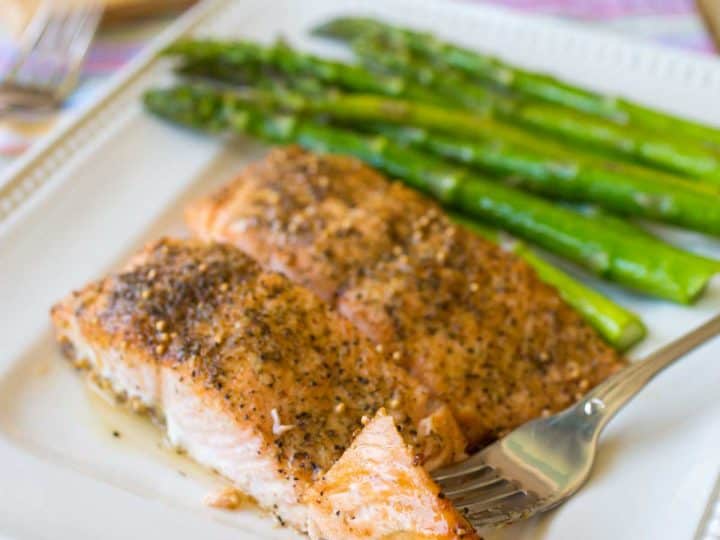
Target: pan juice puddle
139,433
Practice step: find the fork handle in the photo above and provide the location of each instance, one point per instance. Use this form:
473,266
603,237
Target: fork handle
605,400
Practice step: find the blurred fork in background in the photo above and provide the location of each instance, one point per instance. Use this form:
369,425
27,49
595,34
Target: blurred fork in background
47,64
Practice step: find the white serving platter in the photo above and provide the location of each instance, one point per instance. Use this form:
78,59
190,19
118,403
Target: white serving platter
115,178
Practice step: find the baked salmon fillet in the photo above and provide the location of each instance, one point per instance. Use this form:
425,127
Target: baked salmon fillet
471,321
250,374
377,490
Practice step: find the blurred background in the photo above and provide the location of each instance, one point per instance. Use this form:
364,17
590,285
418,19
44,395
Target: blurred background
128,25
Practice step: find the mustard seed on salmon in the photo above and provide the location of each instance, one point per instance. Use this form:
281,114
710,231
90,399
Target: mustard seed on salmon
250,374
471,321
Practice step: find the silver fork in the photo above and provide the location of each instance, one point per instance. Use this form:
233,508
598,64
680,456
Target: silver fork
542,463
50,56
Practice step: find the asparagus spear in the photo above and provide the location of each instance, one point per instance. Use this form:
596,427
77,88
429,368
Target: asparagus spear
231,55
640,262
385,57
664,152
618,326
668,199
602,216
504,75
669,151
363,108
675,201
253,75
562,124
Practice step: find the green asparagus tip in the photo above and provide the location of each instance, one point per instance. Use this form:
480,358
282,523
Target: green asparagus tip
344,27
190,106
155,100
178,48
619,326
698,283
632,333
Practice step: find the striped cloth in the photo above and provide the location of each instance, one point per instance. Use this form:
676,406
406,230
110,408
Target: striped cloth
603,9
670,22
675,23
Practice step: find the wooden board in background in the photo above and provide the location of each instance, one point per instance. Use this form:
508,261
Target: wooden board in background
710,11
14,14
123,10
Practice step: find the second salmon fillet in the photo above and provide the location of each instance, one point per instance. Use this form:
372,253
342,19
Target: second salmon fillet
250,374
471,321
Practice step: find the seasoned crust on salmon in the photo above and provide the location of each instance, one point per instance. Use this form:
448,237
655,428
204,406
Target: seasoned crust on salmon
377,490
251,374
471,321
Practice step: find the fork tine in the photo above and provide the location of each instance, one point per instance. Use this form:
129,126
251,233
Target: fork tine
41,51
79,21
51,40
472,483
79,45
88,22
66,26
501,508
489,518
46,60
461,474
502,513
30,37
469,466
485,495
